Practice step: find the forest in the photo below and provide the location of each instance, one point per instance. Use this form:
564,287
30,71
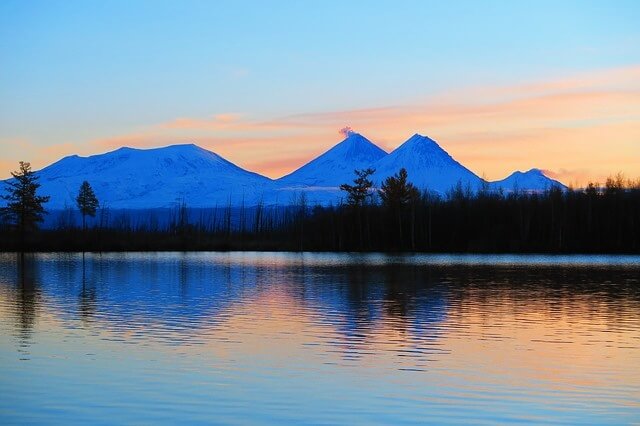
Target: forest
394,218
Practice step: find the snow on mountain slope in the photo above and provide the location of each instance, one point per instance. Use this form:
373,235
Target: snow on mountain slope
149,178
130,178
428,166
336,166
320,179
532,180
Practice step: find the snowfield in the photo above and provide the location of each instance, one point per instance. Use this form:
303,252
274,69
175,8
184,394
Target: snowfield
146,178
429,167
130,178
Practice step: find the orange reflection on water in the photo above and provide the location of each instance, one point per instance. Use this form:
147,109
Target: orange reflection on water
446,335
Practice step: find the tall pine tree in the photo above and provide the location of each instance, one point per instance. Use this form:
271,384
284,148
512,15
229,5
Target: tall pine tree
24,207
87,202
358,193
357,196
396,193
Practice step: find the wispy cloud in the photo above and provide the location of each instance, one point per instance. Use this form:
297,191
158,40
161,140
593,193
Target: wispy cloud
225,121
583,124
569,177
579,128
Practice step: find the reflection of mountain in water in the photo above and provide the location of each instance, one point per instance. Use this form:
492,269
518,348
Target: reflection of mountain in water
176,297
184,293
357,297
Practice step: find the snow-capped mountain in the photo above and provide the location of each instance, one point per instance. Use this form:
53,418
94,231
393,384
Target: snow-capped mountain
428,166
150,178
532,180
129,178
320,179
336,165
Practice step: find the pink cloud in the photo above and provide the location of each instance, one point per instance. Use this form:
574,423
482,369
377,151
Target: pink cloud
575,178
583,127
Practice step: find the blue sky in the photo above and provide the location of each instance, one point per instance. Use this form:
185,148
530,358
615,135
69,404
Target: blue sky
74,72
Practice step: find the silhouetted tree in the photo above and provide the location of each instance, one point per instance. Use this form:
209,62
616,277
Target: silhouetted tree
595,219
24,206
87,202
301,216
358,193
396,193
615,184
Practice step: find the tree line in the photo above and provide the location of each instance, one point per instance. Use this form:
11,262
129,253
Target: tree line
25,208
596,219
395,217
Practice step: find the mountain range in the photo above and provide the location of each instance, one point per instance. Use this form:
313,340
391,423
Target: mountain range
130,178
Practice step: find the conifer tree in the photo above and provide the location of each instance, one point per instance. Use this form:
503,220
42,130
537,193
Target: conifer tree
24,206
357,194
87,202
396,193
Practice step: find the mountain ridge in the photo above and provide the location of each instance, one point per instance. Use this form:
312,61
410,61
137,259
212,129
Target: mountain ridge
157,177
355,149
428,165
166,176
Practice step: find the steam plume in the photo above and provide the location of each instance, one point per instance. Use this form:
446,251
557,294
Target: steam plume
346,131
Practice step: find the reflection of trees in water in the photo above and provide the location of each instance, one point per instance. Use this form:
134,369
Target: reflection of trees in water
87,299
403,291
27,300
415,300
73,277
87,303
401,288
357,300
365,297
153,294
359,310
552,290
353,297
183,273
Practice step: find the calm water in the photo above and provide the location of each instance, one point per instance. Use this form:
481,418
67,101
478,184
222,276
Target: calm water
319,338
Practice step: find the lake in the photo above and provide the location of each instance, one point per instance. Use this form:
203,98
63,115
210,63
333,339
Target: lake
241,338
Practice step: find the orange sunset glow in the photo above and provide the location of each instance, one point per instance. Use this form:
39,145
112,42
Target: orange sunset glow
320,213
578,129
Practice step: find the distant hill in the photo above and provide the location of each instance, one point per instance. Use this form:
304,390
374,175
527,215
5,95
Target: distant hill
532,180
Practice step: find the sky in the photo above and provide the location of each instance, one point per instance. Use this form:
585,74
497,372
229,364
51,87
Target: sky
501,86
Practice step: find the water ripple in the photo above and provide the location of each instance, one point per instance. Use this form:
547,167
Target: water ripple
319,338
